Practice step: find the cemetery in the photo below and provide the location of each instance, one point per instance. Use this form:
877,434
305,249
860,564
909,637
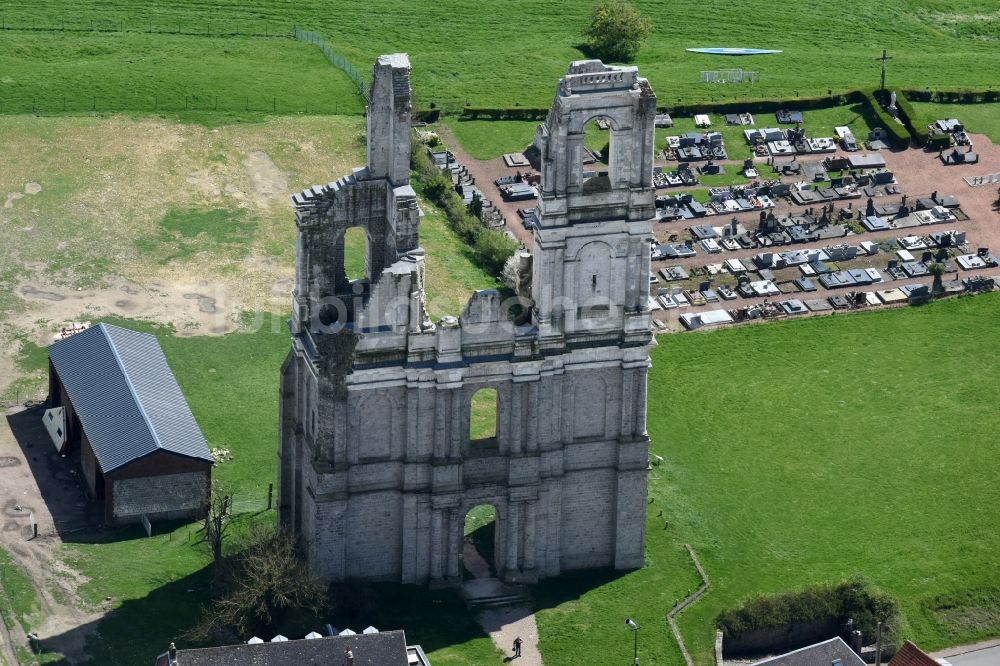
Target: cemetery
853,247
849,256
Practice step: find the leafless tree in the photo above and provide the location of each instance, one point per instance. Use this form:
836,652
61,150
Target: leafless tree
218,518
263,583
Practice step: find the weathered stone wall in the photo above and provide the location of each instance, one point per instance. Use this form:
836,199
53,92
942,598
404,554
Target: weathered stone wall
377,468
159,497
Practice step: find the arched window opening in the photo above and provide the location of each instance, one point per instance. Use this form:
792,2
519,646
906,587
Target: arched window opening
595,154
355,253
483,415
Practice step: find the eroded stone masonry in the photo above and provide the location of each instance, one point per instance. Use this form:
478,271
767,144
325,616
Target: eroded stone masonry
377,467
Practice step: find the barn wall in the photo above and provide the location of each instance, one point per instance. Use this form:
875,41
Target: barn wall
58,397
163,486
89,465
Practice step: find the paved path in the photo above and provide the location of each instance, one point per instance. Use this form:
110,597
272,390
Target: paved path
506,624
986,653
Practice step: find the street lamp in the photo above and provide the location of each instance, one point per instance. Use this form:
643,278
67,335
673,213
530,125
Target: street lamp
630,623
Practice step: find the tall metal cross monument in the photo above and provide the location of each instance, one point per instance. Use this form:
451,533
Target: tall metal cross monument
885,58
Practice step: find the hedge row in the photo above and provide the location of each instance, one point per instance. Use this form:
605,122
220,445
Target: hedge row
953,96
491,247
898,134
764,105
854,599
515,113
735,106
913,120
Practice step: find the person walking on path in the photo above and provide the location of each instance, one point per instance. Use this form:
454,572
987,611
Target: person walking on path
517,647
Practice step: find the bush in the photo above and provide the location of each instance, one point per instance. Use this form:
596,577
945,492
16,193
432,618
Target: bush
854,599
616,31
938,141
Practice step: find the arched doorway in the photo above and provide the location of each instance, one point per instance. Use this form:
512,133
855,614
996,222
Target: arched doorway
479,543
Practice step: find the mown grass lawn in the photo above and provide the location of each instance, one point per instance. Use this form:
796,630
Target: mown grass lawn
467,52
977,118
809,451
60,72
18,600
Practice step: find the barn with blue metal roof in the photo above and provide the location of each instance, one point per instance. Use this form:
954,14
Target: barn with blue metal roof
141,450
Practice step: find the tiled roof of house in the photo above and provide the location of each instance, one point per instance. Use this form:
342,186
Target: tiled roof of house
911,655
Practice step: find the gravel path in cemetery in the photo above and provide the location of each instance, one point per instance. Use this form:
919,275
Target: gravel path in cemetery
504,625
485,172
919,173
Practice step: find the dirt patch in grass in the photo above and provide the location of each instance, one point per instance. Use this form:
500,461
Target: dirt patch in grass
126,217
970,613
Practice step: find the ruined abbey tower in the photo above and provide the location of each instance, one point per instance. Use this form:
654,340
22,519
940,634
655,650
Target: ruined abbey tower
377,466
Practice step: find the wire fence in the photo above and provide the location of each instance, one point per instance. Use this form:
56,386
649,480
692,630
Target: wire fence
335,59
73,102
200,28
257,501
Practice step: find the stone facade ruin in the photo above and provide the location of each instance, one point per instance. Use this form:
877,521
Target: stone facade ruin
377,467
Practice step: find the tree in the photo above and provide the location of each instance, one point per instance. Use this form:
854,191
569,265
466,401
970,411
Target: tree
475,206
218,518
265,585
616,31
937,270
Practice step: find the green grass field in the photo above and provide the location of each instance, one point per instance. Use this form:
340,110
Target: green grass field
797,452
465,52
978,118
18,600
808,451
72,72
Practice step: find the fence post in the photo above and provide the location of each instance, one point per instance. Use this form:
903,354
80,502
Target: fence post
270,492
